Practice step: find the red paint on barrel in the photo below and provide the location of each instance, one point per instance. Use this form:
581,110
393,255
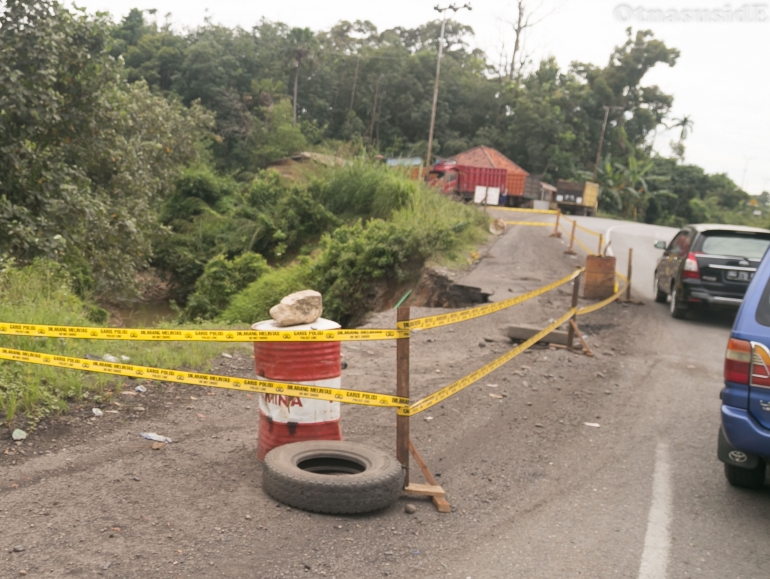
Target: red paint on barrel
298,361
273,433
285,419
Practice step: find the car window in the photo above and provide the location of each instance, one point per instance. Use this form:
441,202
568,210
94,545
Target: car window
763,309
679,244
748,245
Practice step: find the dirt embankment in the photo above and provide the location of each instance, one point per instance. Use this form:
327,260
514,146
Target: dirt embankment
87,496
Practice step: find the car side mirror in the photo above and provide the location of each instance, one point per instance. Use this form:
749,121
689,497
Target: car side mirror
660,245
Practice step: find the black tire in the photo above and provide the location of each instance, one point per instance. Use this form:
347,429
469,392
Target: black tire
747,478
329,476
677,308
660,295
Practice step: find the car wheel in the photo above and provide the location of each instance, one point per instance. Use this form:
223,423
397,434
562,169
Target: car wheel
677,308
660,295
332,476
747,478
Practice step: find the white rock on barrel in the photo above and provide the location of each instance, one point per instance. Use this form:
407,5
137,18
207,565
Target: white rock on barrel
303,307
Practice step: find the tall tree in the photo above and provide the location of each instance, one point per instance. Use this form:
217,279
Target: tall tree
85,159
301,45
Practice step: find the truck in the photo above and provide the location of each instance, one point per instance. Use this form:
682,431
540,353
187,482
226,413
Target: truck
515,183
577,198
478,184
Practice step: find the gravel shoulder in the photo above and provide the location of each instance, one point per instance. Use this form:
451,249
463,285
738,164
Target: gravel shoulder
523,473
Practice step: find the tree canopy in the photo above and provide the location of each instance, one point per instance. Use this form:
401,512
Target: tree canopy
99,119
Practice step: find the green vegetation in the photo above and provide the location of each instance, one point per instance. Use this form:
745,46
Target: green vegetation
128,147
393,226
42,293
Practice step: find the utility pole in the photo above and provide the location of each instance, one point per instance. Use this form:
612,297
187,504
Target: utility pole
601,138
441,11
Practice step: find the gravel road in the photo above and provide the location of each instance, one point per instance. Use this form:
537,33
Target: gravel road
535,492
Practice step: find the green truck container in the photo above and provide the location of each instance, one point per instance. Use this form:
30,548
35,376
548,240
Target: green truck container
577,198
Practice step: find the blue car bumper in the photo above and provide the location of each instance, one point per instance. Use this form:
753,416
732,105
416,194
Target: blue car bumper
745,433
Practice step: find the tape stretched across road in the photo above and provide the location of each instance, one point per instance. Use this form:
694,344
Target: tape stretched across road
591,231
469,314
462,383
599,305
140,334
209,380
532,223
522,210
580,243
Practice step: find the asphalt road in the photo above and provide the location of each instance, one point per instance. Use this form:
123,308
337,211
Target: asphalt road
672,510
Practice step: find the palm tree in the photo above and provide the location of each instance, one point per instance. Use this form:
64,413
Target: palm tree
685,126
301,45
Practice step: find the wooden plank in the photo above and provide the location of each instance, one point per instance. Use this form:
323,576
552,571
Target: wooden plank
425,490
588,350
439,500
421,463
442,505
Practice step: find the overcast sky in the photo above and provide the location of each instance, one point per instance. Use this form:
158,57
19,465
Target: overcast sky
721,79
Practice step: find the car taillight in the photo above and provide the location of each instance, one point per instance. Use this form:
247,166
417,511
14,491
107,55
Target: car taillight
691,267
738,361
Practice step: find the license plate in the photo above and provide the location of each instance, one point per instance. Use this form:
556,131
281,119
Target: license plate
740,275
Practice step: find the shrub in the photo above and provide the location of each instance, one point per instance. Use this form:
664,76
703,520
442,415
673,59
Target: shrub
253,303
221,279
356,255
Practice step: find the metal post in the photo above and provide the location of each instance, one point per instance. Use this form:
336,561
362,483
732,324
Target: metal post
630,259
571,251
556,232
402,390
441,11
435,92
601,243
575,294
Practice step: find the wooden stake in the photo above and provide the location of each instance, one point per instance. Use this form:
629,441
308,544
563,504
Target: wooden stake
630,268
601,242
586,349
402,390
556,232
575,295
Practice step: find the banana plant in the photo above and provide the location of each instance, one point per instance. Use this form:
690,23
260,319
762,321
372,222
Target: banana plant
626,184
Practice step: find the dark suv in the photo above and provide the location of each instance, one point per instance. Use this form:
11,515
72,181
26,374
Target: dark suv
708,265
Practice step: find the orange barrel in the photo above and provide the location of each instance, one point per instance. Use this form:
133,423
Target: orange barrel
285,419
599,277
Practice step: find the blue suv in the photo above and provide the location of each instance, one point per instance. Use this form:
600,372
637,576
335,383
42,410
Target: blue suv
744,437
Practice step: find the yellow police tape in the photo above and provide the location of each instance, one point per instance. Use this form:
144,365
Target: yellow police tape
580,243
158,335
454,388
599,305
533,223
591,231
469,314
522,210
210,380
